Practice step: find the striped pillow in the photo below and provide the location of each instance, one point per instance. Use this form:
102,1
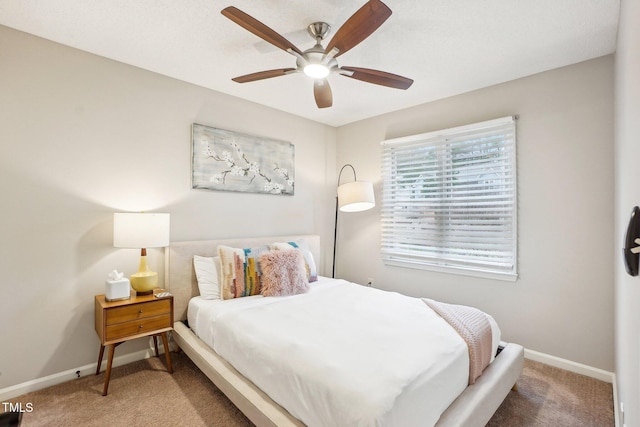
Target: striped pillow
240,271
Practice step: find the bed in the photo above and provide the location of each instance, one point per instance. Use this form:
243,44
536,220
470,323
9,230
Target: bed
471,405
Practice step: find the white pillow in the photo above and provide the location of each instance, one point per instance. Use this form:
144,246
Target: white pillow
207,275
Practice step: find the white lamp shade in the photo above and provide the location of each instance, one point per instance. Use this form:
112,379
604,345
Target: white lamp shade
140,230
356,196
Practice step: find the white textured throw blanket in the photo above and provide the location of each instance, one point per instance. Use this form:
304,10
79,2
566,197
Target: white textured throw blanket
474,327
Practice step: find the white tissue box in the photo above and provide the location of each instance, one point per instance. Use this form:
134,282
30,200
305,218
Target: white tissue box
117,289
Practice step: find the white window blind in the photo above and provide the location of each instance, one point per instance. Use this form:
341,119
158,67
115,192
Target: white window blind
449,200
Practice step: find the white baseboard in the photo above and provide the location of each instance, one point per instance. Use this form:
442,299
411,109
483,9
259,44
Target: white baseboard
61,377
568,365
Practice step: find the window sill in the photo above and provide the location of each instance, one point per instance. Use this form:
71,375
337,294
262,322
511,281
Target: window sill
506,277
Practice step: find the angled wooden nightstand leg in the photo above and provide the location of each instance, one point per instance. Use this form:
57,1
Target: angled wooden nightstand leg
100,359
165,343
107,374
155,344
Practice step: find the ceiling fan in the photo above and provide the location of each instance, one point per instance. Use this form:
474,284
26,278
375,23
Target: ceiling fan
318,62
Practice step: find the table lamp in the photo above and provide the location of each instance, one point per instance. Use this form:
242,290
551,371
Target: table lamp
141,231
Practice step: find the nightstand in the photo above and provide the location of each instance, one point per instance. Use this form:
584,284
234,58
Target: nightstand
137,317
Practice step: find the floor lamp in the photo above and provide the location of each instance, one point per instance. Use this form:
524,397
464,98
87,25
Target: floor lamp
353,196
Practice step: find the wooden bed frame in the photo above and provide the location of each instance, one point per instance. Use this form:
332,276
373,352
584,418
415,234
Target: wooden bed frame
474,407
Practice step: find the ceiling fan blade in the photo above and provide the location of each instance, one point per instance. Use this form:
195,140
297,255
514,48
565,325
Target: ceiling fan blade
361,25
260,75
251,24
322,93
377,77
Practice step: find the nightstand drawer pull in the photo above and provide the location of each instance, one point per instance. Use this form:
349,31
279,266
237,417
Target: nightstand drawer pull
140,312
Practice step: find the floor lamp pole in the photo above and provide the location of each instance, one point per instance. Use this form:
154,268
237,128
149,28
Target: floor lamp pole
335,238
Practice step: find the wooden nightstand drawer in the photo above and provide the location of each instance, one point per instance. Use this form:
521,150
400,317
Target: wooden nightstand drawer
137,311
135,327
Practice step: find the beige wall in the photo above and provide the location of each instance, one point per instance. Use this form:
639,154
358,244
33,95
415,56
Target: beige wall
562,303
82,137
627,196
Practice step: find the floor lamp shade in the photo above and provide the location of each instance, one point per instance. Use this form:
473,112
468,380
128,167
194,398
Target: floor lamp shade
356,196
141,231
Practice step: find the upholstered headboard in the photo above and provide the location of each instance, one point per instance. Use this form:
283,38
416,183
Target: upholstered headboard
180,277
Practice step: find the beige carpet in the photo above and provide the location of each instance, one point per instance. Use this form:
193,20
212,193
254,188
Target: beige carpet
140,394
549,396
144,394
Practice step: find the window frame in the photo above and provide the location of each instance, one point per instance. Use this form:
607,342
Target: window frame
449,264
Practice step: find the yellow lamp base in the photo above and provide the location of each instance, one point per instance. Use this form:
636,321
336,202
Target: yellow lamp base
144,281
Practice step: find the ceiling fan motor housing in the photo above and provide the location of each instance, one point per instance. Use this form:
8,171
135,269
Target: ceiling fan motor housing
319,30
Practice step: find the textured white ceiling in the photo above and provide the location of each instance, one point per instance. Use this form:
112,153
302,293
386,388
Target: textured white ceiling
447,46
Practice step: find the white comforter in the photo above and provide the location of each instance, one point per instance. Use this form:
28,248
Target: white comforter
342,354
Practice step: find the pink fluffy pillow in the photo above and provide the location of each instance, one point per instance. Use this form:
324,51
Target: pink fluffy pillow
283,273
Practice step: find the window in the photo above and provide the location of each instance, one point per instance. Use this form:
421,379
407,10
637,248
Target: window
449,200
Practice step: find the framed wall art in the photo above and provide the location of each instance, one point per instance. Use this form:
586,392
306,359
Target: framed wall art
229,161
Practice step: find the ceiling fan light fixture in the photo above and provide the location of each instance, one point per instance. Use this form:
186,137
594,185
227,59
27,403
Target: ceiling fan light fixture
316,71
